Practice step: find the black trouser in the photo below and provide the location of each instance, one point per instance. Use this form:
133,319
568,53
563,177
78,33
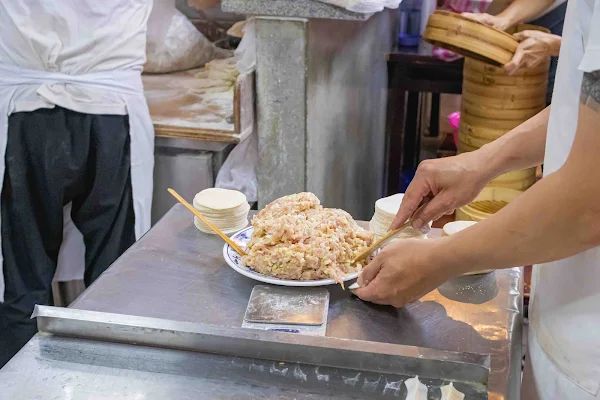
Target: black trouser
53,157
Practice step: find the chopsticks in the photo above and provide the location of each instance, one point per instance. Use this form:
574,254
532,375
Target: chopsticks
202,218
379,242
376,244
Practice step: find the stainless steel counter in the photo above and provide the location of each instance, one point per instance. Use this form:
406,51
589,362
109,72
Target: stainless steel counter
177,273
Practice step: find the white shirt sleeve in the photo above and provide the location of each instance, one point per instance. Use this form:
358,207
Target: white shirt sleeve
591,57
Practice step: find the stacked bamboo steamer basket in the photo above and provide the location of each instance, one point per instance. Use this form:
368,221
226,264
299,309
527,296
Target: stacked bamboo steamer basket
493,102
470,38
491,107
491,200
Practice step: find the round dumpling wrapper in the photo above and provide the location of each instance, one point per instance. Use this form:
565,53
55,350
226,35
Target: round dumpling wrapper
219,199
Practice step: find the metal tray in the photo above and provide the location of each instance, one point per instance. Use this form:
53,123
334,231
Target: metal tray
236,363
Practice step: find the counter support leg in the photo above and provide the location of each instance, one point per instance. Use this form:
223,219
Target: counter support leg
281,100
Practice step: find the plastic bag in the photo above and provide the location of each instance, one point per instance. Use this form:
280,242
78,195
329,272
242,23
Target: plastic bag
174,43
238,172
245,53
239,169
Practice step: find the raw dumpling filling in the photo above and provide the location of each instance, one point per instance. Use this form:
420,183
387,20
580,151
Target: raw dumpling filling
296,238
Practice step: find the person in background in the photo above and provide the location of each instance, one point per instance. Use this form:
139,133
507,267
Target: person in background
554,224
535,46
74,130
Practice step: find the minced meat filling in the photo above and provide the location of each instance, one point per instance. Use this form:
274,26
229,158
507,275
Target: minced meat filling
296,238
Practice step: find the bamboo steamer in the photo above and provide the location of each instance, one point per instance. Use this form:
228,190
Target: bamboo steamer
527,27
480,132
470,38
493,101
519,174
484,78
494,195
460,43
521,185
495,123
517,180
510,103
465,148
485,111
534,92
474,65
471,141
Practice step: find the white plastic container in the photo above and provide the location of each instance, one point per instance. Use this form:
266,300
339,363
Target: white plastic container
452,228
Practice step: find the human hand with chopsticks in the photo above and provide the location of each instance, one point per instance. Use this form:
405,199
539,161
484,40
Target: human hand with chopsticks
445,184
401,273
449,183
407,269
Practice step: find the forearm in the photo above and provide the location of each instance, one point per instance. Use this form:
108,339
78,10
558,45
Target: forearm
548,222
523,10
523,147
556,218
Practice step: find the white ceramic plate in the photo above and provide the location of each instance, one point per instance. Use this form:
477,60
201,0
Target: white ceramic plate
234,260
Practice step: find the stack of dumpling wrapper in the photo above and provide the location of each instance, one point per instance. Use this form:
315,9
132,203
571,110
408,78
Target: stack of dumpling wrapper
385,211
227,209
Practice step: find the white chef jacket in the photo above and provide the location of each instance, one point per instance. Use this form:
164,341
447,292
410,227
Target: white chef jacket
87,56
565,309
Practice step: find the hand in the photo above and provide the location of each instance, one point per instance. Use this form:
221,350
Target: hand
450,183
534,48
402,272
490,20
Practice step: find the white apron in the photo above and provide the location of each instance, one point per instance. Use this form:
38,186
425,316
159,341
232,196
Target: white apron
107,38
565,308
